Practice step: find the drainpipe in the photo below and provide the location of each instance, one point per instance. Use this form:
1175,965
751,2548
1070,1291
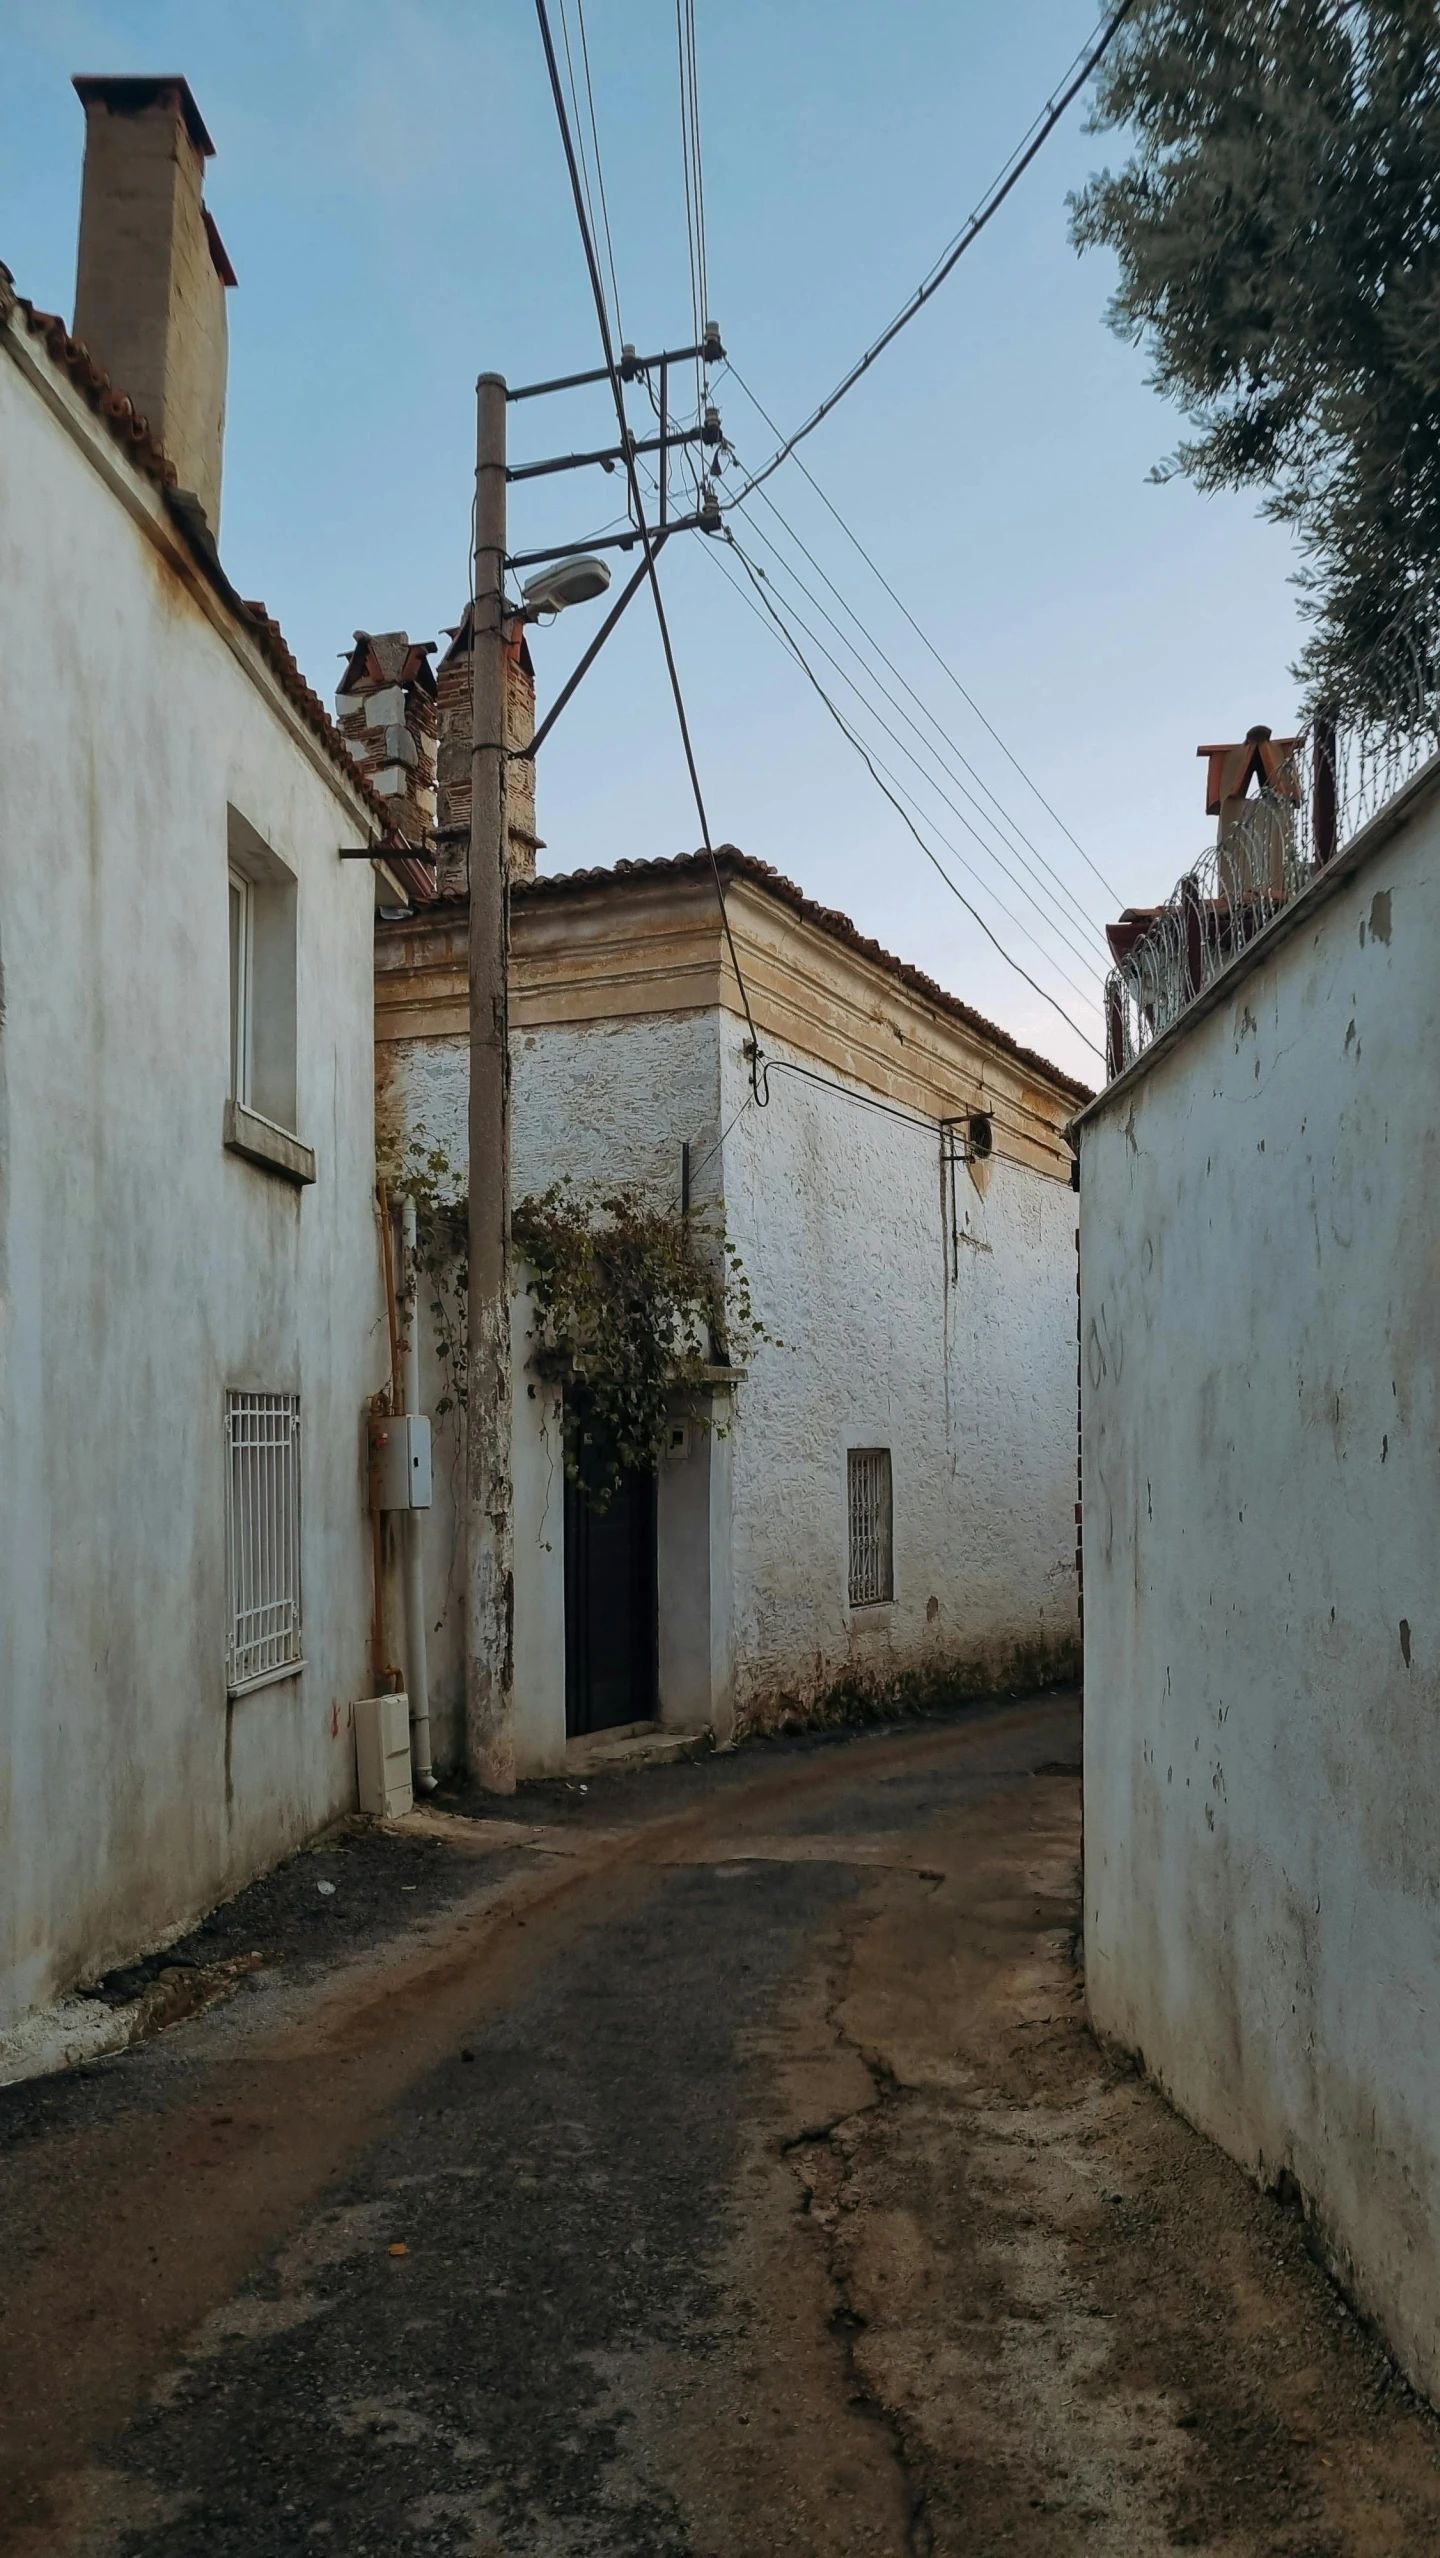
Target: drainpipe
417,1672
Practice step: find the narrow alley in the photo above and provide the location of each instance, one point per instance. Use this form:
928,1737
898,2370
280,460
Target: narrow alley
719,1650
714,2161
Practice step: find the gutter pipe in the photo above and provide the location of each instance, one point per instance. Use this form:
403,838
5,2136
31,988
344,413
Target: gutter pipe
417,1669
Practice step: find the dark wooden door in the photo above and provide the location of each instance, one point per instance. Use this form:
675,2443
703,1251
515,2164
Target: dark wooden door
610,1613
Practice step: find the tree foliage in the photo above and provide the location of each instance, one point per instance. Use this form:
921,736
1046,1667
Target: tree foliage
1278,235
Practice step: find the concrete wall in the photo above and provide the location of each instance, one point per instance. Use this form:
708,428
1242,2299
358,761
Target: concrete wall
1261,1424
958,1359
143,1270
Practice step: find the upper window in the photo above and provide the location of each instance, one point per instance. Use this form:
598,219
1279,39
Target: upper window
872,1549
262,977
242,961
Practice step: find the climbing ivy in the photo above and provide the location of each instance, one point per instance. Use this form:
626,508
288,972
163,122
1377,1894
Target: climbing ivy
442,1252
633,1303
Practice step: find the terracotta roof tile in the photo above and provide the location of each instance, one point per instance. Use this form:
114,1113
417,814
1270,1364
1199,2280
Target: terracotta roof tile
276,650
122,418
733,864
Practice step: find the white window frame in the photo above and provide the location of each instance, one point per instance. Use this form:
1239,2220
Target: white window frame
870,1519
242,983
264,1635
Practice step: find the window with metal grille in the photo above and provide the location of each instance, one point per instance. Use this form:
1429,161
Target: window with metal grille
262,1521
872,1566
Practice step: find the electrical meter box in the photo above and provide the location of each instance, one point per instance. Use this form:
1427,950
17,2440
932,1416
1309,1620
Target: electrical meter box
400,1461
382,1756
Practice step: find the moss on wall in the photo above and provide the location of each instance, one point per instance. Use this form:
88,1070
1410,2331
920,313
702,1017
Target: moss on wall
991,1670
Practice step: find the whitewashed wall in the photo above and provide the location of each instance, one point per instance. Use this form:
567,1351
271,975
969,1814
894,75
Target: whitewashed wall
1260,1268
836,1209
142,1269
596,1104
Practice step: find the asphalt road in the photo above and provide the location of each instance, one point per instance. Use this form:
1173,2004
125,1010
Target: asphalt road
711,2163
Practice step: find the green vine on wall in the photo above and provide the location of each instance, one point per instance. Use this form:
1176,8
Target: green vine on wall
633,1305
442,1253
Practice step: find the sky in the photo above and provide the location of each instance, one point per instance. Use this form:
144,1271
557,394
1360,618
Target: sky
390,187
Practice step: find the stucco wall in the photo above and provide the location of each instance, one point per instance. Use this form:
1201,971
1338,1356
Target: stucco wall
967,1376
595,1104
142,1269
1261,1425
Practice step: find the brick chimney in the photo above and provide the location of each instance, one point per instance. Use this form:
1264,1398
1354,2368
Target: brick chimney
152,273
1261,758
386,710
1264,826
454,707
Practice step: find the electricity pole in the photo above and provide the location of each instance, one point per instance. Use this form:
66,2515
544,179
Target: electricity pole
489,1533
489,1527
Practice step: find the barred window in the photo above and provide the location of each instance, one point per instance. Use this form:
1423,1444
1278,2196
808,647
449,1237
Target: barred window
872,1566
262,1524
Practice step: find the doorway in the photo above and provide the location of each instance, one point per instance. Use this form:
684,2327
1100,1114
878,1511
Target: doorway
611,1619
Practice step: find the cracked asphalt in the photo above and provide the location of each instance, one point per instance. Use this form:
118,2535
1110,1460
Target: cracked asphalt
711,2164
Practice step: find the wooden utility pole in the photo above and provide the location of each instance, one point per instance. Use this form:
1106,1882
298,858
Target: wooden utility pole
489,1529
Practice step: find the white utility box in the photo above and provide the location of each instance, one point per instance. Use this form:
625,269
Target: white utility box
400,1460
382,1755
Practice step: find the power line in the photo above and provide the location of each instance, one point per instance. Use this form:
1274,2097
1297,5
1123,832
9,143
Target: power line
872,1101
892,1110
896,793
890,789
709,1157
867,759
701,243
923,636
1065,921
1015,167
1006,815
757,1078
599,171
694,177
580,134
1085,993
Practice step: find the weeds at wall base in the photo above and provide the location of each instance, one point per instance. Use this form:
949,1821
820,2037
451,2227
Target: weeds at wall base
859,1698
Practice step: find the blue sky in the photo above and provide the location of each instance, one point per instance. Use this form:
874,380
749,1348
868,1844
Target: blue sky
389,185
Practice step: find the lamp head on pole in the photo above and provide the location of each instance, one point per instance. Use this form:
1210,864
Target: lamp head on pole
575,581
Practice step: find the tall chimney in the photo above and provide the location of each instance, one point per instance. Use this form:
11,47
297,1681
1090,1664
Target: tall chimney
150,285
386,710
456,756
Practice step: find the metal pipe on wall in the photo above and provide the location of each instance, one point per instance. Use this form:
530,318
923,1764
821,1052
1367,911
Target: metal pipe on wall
416,1667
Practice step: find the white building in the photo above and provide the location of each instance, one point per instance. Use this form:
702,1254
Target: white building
1261,1426
191,1310
887,1506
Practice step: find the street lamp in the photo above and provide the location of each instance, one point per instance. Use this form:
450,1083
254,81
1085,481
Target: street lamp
573,581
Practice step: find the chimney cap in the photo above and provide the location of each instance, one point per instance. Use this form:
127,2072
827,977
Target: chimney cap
128,96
